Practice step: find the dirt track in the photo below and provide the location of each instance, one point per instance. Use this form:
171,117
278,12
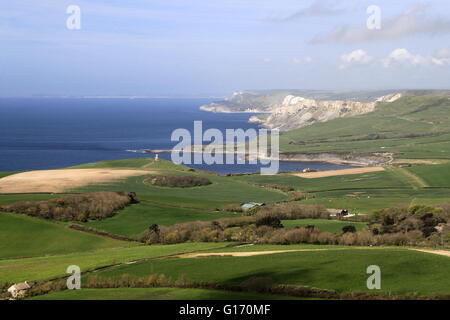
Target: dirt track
258,253
62,180
343,172
245,254
439,252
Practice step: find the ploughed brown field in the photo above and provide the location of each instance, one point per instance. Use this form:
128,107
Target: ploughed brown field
62,180
332,173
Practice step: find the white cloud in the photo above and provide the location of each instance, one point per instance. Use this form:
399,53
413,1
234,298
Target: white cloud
442,58
411,21
357,57
296,61
267,60
308,60
402,57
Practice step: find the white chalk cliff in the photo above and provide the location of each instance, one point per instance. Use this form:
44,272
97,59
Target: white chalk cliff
296,112
286,110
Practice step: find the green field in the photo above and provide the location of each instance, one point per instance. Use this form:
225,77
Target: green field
434,175
156,294
23,236
364,193
332,226
10,198
223,191
375,180
43,268
343,270
135,219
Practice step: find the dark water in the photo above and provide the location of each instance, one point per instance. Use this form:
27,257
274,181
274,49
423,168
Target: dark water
54,133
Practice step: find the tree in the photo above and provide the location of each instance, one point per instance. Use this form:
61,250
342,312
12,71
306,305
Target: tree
348,229
154,228
269,221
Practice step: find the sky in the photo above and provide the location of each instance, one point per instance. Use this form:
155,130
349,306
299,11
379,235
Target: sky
215,47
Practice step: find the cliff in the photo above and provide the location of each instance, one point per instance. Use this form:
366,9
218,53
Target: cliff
297,112
292,109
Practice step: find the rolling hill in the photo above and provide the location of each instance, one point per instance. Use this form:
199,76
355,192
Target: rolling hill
410,128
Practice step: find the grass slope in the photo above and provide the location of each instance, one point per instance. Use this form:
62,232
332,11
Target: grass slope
135,163
371,191
43,268
403,271
222,192
136,218
23,236
156,294
375,180
10,198
434,175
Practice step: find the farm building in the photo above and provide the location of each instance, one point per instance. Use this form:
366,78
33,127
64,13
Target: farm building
251,205
338,213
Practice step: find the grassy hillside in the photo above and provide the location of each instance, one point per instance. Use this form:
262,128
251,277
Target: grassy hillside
136,163
369,191
342,270
23,236
10,198
135,219
156,294
43,268
411,127
433,175
222,191
375,180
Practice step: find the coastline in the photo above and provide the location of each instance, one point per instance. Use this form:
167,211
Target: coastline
369,160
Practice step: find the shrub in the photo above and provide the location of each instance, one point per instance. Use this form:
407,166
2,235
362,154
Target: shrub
349,228
178,181
268,221
293,211
395,226
299,196
275,186
78,207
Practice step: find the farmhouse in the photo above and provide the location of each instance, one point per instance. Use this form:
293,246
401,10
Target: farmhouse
338,213
251,205
19,290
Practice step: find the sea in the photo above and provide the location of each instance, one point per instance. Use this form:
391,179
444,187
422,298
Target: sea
50,133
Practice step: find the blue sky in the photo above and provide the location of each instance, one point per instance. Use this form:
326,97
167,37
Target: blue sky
212,47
